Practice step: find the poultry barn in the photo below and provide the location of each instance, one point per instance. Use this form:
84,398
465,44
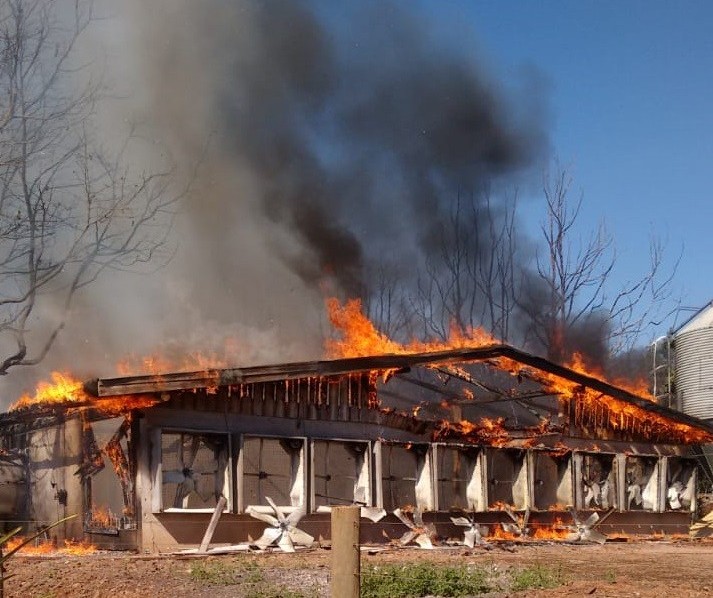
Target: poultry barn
492,437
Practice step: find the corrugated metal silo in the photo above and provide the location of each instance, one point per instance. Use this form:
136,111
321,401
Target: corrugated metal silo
694,365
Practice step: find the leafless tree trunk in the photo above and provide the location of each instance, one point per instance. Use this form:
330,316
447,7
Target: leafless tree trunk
471,282
69,210
571,290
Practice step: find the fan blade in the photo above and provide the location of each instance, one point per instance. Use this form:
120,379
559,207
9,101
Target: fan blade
511,528
299,537
405,520
294,518
195,445
511,514
408,537
182,490
285,543
424,541
373,513
264,517
268,538
591,520
172,476
592,535
461,521
469,538
280,516
418,518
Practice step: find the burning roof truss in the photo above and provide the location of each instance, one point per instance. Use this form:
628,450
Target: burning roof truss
482,395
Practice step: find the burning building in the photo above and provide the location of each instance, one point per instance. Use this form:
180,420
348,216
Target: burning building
517,443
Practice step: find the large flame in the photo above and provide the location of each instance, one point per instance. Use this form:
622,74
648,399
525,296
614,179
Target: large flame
69,392
360,338
587,408
70,547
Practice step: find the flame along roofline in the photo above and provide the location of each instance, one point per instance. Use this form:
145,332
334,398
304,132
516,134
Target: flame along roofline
176,381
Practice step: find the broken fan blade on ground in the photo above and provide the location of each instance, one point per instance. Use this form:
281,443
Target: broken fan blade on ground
472,535
283,531
583,531
519,526
418,532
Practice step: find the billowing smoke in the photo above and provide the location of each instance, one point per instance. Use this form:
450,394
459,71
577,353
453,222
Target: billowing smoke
323,144
356,139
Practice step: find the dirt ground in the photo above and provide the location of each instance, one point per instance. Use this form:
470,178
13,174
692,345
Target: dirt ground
645,569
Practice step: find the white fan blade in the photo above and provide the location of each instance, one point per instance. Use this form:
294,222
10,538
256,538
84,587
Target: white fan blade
373,513
469,538
268,538
405,520
294,518
461,521
592,535
265,517
278,513
510,528
591,520
511,514
424,541
285,543
408,537
299,537
195,445
172,476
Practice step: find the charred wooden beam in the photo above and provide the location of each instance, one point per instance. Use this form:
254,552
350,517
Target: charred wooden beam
106,387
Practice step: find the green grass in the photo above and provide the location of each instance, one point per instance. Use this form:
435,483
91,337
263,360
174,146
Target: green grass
248,575
274,591
536,577
412,580
215,573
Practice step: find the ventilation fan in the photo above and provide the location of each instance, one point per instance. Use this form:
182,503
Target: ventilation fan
185,476
282,530
583,531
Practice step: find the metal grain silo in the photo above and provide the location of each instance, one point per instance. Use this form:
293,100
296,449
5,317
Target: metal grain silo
693,344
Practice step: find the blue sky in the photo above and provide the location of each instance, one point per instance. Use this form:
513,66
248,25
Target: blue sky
629,89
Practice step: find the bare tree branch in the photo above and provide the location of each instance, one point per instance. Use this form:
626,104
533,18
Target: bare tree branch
69,209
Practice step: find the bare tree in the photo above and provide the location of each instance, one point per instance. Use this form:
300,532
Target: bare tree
470,282
69,209
569,304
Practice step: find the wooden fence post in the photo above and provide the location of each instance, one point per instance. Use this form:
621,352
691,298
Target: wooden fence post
345,552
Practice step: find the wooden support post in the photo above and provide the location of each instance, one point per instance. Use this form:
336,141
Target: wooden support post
208,536
345,552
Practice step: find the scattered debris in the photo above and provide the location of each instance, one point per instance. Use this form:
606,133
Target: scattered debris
422,534
472,535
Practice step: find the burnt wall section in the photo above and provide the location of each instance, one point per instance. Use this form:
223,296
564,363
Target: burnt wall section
54,455
313,465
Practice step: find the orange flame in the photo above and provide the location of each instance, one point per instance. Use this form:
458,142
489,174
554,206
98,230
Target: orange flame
360,338
101,517
486,431
638,387
47,547
556,531
68,391
498,533
584,407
